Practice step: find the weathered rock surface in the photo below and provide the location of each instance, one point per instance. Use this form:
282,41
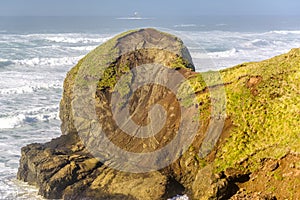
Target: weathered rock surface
126,50
260,134
63,167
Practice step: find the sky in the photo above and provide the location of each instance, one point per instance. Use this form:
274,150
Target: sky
147,7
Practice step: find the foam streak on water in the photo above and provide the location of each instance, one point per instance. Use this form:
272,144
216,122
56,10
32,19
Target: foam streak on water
33,67
32,70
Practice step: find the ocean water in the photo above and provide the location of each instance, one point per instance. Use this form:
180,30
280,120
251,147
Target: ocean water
37,52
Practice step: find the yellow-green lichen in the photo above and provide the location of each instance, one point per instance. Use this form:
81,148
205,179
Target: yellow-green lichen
267,124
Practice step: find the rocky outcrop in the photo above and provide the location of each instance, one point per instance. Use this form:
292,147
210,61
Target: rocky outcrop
255,138
130,48
64,166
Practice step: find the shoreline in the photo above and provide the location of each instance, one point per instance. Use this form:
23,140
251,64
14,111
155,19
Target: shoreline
239,157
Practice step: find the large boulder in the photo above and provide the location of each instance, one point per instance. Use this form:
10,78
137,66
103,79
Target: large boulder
71,163
128,49
252,137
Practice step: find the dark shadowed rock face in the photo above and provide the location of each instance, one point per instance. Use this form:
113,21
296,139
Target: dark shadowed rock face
259,141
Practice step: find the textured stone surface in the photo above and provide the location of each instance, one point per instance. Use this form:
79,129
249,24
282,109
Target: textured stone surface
132,48
63,167
259,141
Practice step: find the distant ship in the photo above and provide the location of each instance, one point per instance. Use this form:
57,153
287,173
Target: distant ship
135,16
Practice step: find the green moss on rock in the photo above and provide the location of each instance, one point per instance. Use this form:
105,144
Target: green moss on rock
263,102
262,108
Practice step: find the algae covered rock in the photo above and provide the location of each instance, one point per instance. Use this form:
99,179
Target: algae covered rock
116,57
216,148
90,98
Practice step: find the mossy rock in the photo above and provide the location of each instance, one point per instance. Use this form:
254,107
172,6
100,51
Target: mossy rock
108,62
262,121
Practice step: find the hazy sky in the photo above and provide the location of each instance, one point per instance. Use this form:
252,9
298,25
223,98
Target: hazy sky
149,7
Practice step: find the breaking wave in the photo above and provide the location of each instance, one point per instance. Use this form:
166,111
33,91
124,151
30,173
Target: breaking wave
64,61
31,116
30,88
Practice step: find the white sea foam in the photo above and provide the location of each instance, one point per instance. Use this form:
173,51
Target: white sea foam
83,48
75,40
3,60
41,117
213,55
44,114
30,88
224,54
286,32
12,121
10,188
64,61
